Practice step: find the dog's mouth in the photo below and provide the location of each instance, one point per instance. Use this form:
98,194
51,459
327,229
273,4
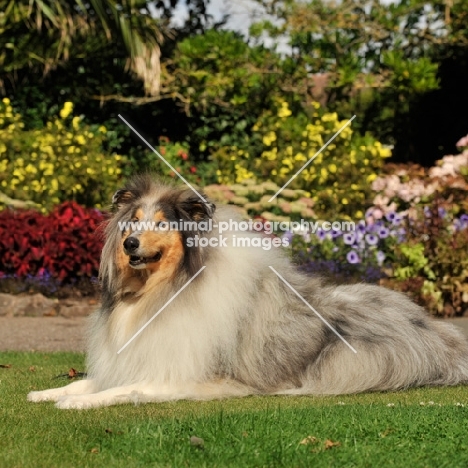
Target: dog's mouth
136,261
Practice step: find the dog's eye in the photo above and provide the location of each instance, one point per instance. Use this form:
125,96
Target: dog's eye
134,220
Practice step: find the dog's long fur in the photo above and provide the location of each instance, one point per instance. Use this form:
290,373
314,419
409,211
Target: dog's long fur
237,329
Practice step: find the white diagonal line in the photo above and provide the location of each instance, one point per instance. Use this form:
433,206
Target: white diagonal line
312,158
162,159
313,310
160,310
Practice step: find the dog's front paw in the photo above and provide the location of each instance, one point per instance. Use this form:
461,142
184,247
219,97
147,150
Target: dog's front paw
45,395
76,402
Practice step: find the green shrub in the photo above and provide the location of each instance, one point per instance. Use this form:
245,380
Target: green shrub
63,161
432,264
339,178
178,156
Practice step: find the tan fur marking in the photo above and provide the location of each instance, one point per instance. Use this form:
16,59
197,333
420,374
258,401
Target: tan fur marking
172,250
140,214
159,216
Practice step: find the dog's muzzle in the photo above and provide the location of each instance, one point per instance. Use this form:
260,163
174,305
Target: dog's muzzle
131,246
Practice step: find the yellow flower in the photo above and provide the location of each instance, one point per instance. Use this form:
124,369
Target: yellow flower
6,101
67,109
344,201
269,138
284,110
30,168
371,177
76,122
359,214
385,153
102,129
332,168
80,139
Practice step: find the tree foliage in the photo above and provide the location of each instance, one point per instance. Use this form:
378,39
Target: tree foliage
369,57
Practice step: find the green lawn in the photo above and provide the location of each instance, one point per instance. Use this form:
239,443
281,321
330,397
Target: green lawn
241,432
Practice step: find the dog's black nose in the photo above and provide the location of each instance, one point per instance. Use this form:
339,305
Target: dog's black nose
131,244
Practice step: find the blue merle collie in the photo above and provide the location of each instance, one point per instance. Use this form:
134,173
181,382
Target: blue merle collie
238,328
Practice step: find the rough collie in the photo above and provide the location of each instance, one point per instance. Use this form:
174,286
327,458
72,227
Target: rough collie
249,323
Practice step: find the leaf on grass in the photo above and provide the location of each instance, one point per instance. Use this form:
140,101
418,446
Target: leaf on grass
5,366
308,440
71,374
330,444
197,441
386,432
109,431
32,369
94,450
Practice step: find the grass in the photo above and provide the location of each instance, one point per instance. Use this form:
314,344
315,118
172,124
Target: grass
256,431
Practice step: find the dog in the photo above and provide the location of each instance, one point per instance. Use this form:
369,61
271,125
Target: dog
232,321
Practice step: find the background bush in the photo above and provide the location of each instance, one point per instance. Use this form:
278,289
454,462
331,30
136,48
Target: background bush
338,179
63,161
64,245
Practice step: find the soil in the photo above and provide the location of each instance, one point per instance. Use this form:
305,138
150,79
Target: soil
42,334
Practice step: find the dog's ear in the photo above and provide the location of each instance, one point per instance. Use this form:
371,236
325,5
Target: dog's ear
122,197
195,208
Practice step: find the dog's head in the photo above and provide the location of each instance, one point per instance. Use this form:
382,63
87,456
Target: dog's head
149,228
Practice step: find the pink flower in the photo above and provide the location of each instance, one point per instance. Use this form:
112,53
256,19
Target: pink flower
462,142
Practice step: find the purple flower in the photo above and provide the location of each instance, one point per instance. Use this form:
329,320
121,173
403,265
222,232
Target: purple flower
401,234
380,257
288,235
321,234
349,238
371,239
442,212
335,234
391,216
397,220
383,232
361,226
353,257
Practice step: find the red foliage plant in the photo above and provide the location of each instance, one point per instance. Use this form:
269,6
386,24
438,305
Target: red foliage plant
65,244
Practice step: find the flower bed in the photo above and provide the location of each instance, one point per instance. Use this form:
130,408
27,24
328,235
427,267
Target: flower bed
44,252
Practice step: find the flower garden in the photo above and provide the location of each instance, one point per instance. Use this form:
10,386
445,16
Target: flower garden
411,223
